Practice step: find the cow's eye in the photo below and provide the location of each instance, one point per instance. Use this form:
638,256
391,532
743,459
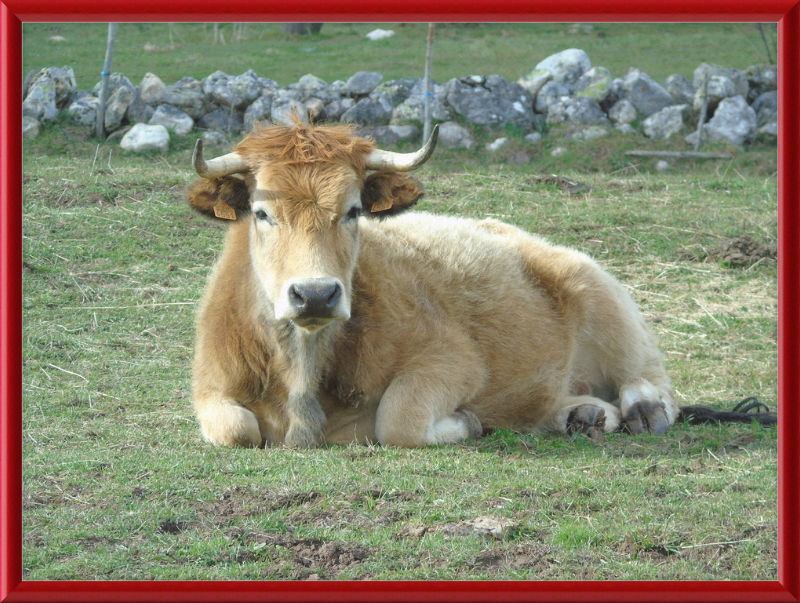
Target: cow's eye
354,213
262,215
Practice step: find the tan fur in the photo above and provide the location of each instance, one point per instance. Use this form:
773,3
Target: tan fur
445,316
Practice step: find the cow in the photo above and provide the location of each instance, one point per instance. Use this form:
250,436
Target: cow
334,315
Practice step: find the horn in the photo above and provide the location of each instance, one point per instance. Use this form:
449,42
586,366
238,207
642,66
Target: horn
402,162
232,163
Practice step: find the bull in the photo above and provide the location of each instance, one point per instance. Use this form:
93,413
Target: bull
333,315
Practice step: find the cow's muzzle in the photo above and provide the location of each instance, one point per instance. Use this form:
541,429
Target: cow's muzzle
312,303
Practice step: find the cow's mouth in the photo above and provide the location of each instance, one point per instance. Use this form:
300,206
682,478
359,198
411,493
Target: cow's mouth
312,325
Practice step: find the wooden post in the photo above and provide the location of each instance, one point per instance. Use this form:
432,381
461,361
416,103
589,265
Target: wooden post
428,95
100,126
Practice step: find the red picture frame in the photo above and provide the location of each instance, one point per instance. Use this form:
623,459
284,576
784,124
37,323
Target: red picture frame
14,12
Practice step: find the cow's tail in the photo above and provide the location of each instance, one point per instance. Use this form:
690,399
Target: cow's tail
746,411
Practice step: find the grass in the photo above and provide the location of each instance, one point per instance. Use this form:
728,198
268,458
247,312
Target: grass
340,49
119,485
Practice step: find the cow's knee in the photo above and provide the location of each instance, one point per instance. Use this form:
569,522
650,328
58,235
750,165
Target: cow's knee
226,423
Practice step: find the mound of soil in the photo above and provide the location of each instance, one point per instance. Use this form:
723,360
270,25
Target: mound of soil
742,251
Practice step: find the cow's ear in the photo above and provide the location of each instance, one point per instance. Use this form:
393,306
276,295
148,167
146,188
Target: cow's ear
389,193
226,198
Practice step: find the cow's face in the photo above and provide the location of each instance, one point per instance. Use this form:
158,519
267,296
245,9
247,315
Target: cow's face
304,240
304,206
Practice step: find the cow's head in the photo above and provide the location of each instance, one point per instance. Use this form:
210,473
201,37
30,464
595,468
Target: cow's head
303,189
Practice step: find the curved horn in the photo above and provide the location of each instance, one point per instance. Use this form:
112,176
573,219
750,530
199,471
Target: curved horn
232,163
402,162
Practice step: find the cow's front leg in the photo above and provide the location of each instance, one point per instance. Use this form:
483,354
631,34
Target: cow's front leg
306,421
224,422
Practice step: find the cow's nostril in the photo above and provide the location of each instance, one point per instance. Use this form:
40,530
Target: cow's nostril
296,297
334,295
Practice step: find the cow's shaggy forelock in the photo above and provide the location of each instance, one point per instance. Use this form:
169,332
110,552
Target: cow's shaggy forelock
300,143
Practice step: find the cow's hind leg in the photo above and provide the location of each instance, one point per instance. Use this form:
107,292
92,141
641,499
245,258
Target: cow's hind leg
423,405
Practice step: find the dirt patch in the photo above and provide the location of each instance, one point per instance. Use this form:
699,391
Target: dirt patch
742,251
523,557
240,503
309,558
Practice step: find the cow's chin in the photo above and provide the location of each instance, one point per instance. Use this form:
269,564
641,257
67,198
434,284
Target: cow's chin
313,325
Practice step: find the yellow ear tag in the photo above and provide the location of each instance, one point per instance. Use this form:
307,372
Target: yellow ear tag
381,205
224,211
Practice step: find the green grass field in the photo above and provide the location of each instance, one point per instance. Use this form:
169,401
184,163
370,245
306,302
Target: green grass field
119,485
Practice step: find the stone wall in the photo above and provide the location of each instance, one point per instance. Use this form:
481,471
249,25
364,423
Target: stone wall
740,106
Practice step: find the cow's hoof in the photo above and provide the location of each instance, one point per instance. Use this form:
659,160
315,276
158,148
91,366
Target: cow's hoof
588,419
646,417
298,437
474,427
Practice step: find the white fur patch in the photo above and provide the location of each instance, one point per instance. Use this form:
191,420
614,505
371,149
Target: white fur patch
447,431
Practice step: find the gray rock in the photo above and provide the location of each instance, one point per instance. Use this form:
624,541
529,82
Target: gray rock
30,128
722,83
187,95
566,67
496,145
117,106
455,136
494,102
588,132
766,107
115,81
665,123
534,138
40,104
680,88
260,110
576,110
362,83
224,120
151,88
412,108
768,132
173,119
390,135
310,86
142,137
644,93
215,139
625,129
734,122
336,109
550,94
622,112
61,80
596,83
138,111
236,92
281,113
662,166
535,80
84,111
369,112
398,90
761,79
